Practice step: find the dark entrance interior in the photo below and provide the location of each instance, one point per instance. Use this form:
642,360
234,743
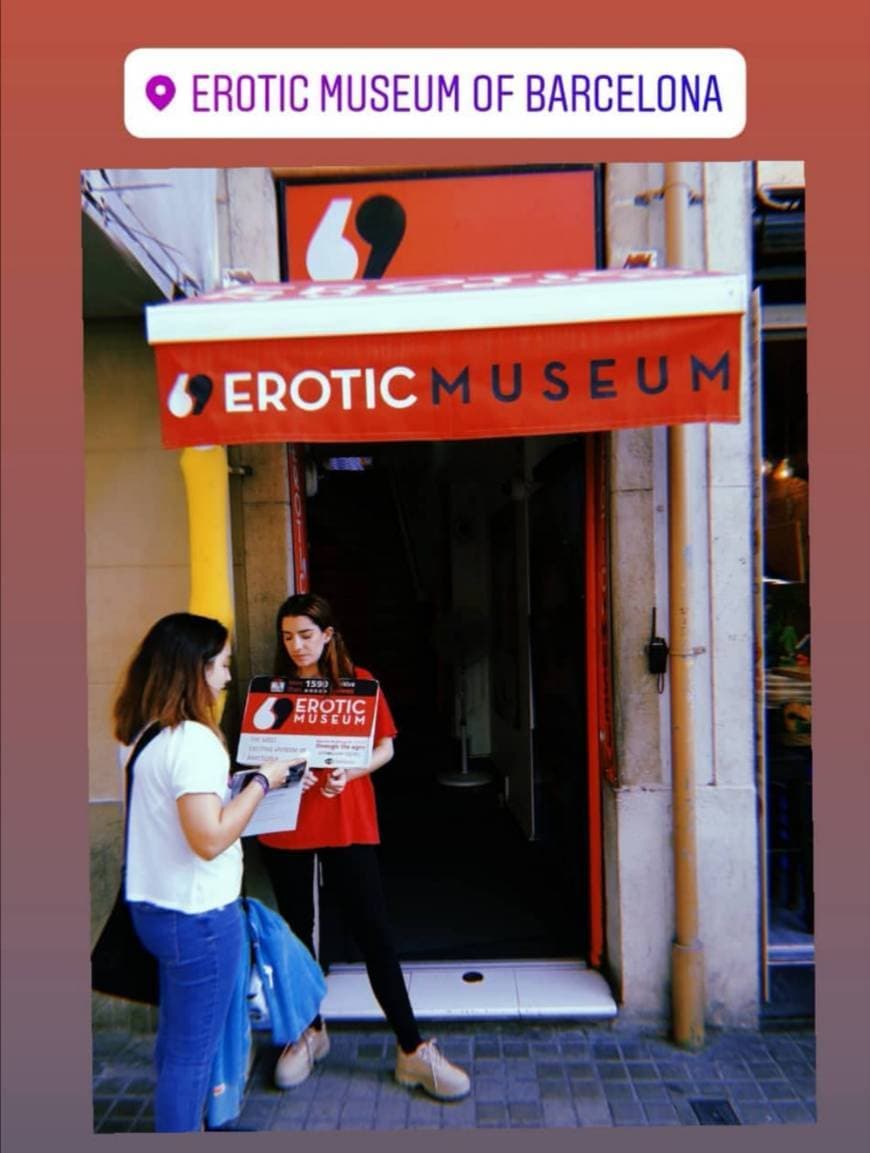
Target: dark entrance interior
456,574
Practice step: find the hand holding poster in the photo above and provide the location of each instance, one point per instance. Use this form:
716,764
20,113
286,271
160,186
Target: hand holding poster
331,727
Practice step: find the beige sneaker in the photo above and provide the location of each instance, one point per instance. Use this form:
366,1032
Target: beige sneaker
297,1061
428,1067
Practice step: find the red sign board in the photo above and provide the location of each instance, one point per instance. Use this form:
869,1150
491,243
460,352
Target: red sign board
431,226
458,358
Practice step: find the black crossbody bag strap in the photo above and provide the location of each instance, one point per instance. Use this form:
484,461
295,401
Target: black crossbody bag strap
145,739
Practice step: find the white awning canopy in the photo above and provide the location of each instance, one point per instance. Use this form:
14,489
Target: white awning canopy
443,304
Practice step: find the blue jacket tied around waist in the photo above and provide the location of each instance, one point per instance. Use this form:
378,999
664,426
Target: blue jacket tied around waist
292,987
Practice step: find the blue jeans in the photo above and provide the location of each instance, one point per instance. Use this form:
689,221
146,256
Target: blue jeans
199,957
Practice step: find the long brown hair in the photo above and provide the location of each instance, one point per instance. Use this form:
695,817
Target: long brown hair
335,661
165,680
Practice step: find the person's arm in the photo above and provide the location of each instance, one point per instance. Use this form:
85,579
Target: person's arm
211,826
381,754
337,780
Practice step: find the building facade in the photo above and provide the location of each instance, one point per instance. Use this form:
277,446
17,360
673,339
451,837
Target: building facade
491,550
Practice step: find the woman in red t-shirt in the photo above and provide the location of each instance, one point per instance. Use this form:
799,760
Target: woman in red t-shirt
338,822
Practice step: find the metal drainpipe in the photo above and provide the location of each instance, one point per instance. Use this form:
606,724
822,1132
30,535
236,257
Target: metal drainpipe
687,951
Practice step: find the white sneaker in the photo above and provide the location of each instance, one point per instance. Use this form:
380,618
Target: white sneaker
429,1068
297,1061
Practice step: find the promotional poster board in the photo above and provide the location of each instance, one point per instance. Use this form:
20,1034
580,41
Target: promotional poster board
330,727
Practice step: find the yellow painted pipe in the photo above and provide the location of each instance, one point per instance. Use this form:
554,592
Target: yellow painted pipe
206,482
687,951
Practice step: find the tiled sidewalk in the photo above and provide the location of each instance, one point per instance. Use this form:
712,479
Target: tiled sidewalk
524,1076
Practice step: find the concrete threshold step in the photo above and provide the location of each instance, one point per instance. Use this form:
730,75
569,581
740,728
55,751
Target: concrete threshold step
531,990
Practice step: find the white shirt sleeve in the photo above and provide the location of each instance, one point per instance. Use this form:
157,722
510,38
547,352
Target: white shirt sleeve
202,763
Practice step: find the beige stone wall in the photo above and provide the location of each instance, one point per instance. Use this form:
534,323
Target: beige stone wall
137,570
260,487
638,815
247,222
135,523
262,552
136,510
136,506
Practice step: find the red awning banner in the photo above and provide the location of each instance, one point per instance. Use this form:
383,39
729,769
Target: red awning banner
449,358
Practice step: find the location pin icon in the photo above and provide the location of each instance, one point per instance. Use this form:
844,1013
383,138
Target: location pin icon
160,90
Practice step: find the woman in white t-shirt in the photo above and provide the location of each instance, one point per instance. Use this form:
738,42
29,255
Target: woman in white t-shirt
184,856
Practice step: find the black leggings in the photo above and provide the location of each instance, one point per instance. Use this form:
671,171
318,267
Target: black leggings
353,878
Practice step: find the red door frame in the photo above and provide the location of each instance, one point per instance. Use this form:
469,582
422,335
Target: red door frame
298,524
599,732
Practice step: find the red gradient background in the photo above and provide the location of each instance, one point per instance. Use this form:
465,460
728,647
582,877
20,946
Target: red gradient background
62,111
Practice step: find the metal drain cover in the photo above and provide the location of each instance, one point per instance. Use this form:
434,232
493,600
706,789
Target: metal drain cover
713,1112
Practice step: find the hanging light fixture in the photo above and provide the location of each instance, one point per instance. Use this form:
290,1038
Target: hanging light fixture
784,469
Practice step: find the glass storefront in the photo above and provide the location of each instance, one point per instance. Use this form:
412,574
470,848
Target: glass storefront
779,259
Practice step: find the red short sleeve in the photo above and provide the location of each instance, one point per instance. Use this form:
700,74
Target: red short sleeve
385,726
